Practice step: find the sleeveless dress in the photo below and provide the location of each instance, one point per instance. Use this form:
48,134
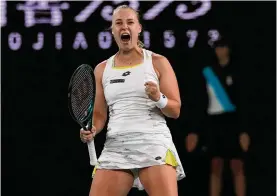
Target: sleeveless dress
137,133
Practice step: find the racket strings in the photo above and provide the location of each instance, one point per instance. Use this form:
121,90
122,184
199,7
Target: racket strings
82,94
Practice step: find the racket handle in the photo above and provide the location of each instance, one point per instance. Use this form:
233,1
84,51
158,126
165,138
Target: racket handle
92,153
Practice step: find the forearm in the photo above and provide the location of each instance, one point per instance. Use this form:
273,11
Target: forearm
172,109
99,121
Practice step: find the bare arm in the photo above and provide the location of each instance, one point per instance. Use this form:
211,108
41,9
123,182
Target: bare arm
168,86
100,105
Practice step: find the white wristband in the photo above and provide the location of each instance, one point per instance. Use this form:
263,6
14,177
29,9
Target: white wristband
162,101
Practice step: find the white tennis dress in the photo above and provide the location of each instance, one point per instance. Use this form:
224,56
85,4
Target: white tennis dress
137,134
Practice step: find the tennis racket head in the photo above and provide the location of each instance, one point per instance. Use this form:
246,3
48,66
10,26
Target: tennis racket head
81,95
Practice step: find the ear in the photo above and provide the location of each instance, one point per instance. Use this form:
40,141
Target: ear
140,28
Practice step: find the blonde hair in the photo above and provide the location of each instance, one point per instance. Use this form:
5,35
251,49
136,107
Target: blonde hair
139,43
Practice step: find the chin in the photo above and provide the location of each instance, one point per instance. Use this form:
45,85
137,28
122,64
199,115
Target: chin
126,47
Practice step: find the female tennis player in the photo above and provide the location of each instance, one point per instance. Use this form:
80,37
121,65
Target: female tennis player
139,87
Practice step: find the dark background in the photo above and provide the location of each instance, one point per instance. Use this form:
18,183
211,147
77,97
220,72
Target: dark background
41,150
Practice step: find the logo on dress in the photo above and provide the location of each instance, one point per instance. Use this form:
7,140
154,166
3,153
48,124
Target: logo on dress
117,81
158,158
127,73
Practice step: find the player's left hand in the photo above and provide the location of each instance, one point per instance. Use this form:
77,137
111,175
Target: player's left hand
152,90
244,140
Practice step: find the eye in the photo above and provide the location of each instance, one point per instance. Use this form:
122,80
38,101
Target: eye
131,22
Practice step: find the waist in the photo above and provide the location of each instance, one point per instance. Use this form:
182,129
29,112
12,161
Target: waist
133,116
134,126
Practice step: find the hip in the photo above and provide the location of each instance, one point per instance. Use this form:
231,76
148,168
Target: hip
135,139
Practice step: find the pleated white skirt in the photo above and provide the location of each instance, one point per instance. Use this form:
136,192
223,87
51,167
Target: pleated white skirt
139,150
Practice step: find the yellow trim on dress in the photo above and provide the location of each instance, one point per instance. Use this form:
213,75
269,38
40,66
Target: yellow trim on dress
94,170
126,67
170,159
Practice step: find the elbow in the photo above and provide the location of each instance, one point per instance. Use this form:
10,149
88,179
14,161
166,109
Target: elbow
176,112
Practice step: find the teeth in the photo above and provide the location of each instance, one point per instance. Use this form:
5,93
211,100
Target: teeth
125,36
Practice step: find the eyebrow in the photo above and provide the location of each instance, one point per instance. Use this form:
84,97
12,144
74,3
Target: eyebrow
129,19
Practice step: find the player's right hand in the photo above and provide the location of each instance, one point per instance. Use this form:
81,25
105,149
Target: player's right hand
87,136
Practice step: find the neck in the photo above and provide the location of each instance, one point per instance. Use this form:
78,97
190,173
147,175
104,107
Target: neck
130,54
223,61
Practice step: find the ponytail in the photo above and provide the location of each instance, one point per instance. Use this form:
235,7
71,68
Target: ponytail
140,44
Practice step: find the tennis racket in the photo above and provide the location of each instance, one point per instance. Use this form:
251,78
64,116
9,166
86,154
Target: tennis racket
81,96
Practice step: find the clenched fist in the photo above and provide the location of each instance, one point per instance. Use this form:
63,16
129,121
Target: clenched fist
152,90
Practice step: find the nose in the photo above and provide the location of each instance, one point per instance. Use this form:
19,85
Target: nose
124,26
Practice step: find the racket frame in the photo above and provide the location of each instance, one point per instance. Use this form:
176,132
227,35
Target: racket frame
90,109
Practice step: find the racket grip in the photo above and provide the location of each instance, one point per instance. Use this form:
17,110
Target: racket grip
92,153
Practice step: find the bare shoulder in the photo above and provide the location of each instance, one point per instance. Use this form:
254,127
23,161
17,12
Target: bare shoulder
158,57
160,62
99,69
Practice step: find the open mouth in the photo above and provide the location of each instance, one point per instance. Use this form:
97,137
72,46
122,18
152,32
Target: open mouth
125,37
